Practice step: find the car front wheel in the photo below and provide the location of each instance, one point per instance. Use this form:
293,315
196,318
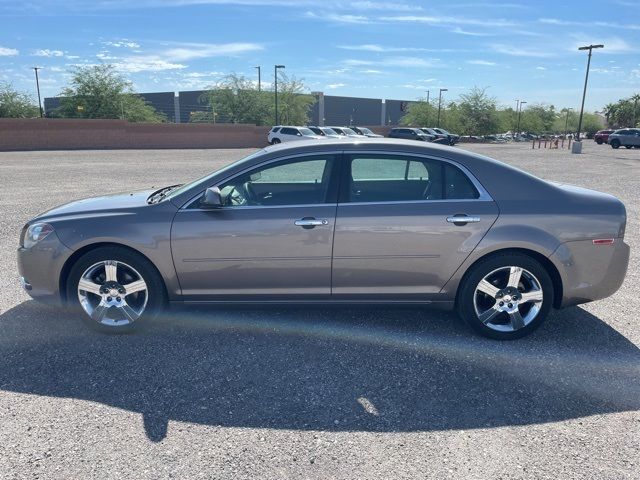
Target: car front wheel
615,143
506,296
115,290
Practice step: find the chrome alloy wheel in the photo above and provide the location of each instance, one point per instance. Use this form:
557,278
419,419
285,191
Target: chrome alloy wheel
112,293
508,299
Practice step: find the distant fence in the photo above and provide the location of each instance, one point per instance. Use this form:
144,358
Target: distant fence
72,134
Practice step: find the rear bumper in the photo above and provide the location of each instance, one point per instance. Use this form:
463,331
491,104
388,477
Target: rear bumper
590,272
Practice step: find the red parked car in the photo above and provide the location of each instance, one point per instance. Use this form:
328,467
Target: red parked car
602,136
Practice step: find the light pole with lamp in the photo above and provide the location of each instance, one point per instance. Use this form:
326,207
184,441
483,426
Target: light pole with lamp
38,88
522,102
259,79
275,77
577,145
440,103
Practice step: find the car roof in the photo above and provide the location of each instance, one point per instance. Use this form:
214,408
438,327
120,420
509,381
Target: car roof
501,180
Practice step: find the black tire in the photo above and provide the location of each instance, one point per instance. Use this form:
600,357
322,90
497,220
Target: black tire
628,146
275,141
467,291
599,142
615,143
155,291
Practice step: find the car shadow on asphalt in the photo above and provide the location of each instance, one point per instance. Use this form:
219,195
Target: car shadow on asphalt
375,370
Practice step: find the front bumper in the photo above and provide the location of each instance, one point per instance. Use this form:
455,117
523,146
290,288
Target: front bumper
40,267
590,272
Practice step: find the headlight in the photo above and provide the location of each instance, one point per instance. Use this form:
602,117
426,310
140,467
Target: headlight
35,233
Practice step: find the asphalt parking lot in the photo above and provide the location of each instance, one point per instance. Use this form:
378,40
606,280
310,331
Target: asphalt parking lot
311,393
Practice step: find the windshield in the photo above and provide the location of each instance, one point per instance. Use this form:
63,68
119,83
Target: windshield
306,131
338,131
348,131
329,131
187,186
366,131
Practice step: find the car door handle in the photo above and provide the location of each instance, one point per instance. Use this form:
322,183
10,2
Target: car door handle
311,222
462,219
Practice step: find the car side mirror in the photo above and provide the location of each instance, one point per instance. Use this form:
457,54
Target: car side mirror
212,198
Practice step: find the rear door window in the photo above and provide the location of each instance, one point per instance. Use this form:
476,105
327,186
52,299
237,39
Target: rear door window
396,178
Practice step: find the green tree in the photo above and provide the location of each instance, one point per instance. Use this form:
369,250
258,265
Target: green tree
14,104
294,104
477,113
100,92
419,114
235,99
624,113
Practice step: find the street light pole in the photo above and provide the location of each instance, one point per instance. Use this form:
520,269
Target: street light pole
275,83
259,79
586,79
428,106
440,103
515,123
522,102
38,88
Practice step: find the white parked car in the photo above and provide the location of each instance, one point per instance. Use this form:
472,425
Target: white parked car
325,132
282,134
345,132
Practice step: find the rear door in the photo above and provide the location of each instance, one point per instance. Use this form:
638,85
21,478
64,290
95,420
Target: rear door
404,225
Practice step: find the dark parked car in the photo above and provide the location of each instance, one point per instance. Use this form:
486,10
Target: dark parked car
410,134
368,221
452,137
602,136
436,137
625,137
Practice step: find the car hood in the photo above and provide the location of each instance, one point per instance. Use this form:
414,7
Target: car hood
106,204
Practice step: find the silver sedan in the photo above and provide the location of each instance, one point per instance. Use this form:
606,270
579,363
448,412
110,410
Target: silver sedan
369,221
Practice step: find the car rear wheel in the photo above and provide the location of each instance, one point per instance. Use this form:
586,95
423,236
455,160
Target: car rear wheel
115,290
615,143
506,296
628,146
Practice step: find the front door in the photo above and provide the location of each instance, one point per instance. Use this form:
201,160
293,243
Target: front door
271,239
404,225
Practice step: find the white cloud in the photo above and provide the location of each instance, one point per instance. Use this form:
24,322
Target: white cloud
394,62
540,68
8,52
520,52
339,18
611,45
482,62
448,21
333,86
371,71
569,23
189,51
124,43
468,33
132,65
372,47
48,53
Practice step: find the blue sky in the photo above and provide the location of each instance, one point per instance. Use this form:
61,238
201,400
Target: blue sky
391,49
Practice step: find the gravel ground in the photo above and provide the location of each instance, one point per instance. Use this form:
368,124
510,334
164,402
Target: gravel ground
311,393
